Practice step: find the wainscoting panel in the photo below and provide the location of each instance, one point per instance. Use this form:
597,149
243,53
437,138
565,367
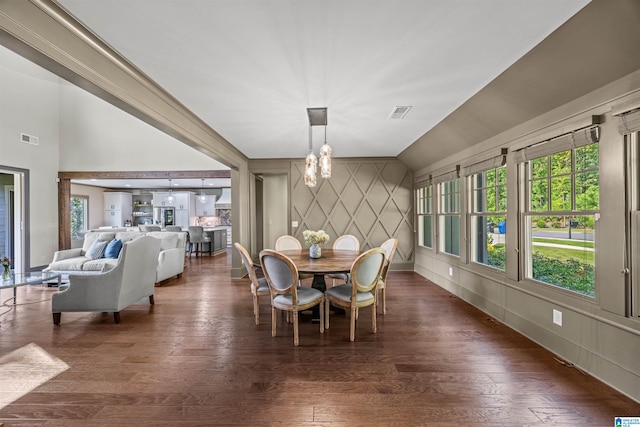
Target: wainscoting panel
371,199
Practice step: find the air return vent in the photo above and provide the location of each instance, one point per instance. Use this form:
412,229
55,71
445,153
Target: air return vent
29,139
399,112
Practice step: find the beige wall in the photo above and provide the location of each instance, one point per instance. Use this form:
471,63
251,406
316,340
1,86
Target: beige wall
595,335
369,198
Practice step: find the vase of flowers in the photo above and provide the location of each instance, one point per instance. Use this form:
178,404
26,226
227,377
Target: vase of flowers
6,263
315,240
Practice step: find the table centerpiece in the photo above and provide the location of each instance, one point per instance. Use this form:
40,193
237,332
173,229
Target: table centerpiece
314,239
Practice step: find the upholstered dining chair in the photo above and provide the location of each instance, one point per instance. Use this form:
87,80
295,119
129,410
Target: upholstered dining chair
287,243
290,243
259,286
282,274
150,228
389,247
173,228
345,242
197,238
361,291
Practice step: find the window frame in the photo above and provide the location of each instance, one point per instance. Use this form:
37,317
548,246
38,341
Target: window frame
449,214
424,211
85,220
531,209
475,213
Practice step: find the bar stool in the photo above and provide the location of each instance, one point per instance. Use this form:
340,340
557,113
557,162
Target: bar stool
197,238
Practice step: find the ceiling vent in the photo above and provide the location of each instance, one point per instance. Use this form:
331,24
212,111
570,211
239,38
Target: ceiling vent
399,112
29,139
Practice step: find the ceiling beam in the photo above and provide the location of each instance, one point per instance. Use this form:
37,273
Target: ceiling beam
145,174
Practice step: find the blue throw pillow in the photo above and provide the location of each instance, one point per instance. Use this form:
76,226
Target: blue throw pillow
97,249
113,249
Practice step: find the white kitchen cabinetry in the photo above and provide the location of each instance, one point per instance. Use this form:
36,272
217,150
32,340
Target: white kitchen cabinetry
117,208
160,199
185,208
183,204
207,208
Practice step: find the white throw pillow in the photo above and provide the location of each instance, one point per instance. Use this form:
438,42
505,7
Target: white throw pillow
96,250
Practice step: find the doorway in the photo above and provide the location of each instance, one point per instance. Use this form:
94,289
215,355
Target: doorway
12,215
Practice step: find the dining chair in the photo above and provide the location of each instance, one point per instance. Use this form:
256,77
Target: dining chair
389,247
197,238
173,228
259,286
345,242
361,291
281,274
290,243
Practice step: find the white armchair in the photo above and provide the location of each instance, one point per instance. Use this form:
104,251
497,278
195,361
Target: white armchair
132,279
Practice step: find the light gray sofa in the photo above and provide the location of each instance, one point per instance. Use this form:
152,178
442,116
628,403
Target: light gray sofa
170,260
128,281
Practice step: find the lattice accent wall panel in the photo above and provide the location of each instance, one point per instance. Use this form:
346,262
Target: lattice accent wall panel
371,199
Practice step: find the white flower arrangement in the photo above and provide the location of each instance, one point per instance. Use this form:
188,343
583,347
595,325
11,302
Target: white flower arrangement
315,237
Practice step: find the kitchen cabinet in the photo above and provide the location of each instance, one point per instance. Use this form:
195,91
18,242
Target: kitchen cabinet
184,203
160,198
207,208
117,208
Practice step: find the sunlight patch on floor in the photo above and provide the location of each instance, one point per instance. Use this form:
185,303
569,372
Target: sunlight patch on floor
24,369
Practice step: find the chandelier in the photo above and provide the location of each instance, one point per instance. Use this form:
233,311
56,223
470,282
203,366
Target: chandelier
203,196
317,117
170,196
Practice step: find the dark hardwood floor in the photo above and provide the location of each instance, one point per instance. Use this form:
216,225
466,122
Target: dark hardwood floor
196,358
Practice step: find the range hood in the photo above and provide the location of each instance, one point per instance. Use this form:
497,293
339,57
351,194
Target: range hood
224,202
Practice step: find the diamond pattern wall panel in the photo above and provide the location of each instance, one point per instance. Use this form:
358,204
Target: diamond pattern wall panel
371,199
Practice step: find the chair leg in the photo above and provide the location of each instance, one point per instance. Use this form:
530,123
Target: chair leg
321,310
256,309
273,321
384,300
296,340
56,318
374,326
352,324
116,316
326,311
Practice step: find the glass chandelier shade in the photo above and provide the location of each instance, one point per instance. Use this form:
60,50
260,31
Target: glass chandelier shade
325,157
202,197
170,196
311,163
317,117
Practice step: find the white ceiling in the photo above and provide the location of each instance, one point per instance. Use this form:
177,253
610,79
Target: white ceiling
251,68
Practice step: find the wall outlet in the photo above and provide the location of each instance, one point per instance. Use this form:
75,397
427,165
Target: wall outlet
557,317
294,224
450,271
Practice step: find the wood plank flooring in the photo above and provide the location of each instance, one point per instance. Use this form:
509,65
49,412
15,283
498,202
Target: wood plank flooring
196,358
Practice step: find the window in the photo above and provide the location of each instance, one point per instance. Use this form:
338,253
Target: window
488,217
449,216
425,217
562,207
79,206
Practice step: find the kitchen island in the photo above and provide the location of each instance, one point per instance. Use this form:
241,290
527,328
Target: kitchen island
219,236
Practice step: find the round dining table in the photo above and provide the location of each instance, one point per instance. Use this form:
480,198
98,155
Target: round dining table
332,261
